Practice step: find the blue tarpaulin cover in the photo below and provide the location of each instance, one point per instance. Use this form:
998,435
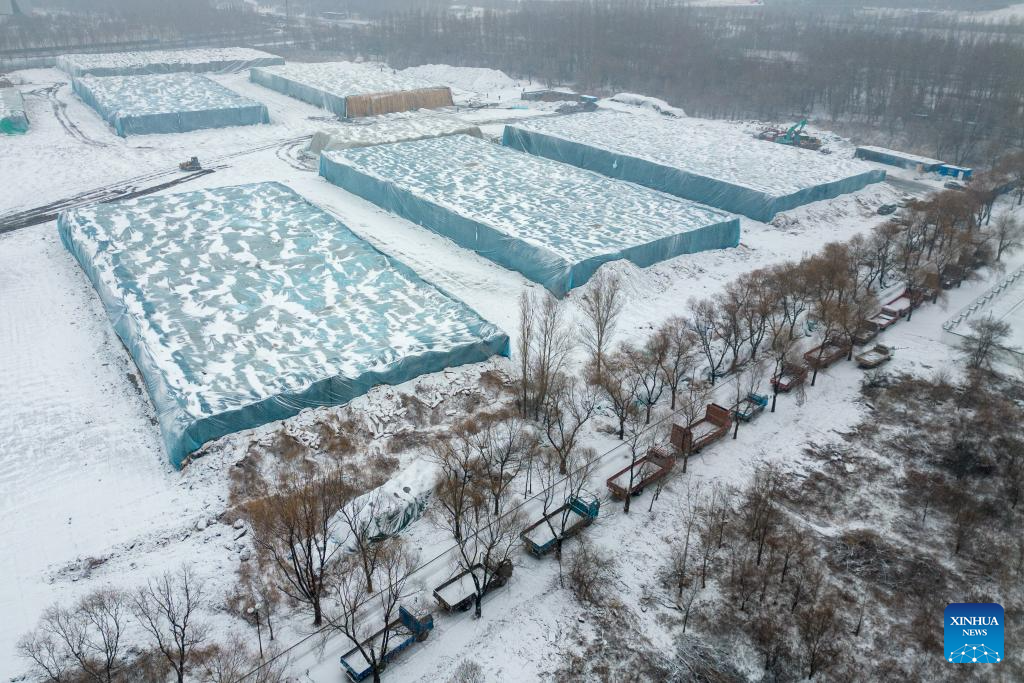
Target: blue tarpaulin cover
167,103
13,119
554,223
200,60
329,85
243,305
711,162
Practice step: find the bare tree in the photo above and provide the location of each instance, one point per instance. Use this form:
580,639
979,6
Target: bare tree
87,638
352,606
640,438
1008,235
524,347
706,323
620,384
678,362
748,382
645,363
981,346
167,609
354,520
820,632
693,401
458,462
505,446
602,305
294,529
570,406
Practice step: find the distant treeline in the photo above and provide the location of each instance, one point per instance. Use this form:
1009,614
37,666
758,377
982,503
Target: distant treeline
954,90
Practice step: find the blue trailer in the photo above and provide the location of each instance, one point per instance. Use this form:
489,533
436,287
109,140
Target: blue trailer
568,520
750,407
406,630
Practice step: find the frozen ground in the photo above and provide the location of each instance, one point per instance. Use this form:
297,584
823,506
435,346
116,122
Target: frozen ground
87,497
227,59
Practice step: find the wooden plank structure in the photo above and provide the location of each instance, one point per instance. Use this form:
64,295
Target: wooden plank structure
713,426
646,470
375,104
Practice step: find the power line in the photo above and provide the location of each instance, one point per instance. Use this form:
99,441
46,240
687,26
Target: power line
596,459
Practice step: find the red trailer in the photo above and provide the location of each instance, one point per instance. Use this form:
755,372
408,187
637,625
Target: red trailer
790,377
713,426
647,470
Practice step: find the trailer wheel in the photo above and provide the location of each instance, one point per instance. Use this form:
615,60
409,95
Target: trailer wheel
637,492
422,635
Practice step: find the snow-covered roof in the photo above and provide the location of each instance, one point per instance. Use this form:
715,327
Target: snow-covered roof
719,150
571,213
160,94
245,304
912,158
345,79
223,59
376,130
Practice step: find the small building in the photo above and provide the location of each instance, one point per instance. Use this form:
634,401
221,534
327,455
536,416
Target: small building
957,172
899,159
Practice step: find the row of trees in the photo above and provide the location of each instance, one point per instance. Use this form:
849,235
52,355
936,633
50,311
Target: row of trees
947,88
153,633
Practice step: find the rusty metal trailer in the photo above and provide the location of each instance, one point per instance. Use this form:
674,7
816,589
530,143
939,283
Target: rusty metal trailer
874,357
713,426
820,357
791,377
645,471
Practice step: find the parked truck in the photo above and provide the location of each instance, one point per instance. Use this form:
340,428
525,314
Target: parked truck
567,521
820,357
714,425
874,357
404,631
750,407
458,593
789,378
646,470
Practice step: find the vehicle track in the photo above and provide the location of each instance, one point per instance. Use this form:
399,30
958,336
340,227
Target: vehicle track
129,188
60,112
290,153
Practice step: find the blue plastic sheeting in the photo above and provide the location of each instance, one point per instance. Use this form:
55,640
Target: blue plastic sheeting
219,60
554,223
329,85
13,120
243,305
711,162
169,103
895,158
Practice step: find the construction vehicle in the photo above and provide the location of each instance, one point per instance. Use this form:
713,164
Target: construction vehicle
191,165
794,136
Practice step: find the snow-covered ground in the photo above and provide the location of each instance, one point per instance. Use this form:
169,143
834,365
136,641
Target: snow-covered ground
87,497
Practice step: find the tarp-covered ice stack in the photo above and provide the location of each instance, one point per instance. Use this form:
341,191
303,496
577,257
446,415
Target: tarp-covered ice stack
13,119
554,223
243,305
396,127
219,60
351,89
168,103
711,162
894,157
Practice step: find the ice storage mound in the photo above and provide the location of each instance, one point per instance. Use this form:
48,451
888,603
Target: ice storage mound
243,305
711,162
396,127
351,89
221,60
169,103
554,223
13,119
